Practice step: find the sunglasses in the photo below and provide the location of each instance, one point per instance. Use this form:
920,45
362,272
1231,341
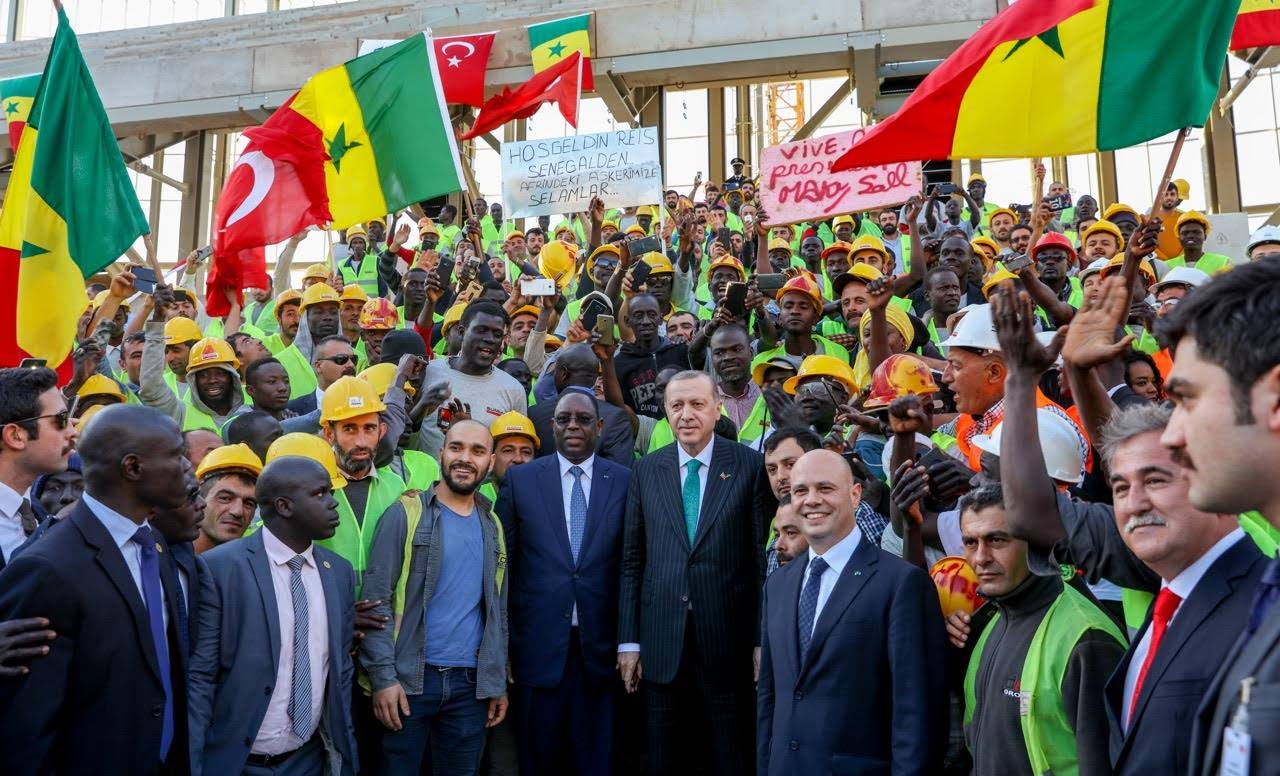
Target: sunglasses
60,419
341,360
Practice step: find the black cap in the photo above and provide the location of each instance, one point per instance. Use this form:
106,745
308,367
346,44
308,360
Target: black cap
399,343
736,160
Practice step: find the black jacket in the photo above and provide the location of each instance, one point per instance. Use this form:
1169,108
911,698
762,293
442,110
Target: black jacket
637,370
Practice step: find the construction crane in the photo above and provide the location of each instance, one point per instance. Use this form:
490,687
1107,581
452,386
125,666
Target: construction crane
785,110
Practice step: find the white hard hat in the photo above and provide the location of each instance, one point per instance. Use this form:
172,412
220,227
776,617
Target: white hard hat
1095,266
976,330
1059,443
1181,276
1265,234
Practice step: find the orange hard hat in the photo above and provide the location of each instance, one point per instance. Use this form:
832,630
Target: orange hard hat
899,375
957,585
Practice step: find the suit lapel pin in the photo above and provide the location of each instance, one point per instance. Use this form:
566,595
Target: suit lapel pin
724,475
326,565
857,573
159,548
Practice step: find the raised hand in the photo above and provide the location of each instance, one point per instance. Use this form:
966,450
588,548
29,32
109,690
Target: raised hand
1091,337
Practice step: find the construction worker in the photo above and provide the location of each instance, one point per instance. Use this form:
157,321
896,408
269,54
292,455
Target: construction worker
800,300
1193,229
1102,240
353,299
321,307
179,335
418,470
822,385
1264,244
350,422
315,273
1036,677
100,389
514,442
1170,245
377,317
215,395
227,476
355,269
287,316
868,249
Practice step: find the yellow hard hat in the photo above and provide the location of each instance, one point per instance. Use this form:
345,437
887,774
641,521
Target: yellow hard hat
380,377
349,397
996,278
636,229
982,241
304,445
188,293
527,309
286,297
1183,188
609,249
427,226
316,271
101,297
230,458
658,264
87,415
1119,209
845,220
1003,211
728,261
804,284
1106,227
352,292
181,330
869,242
210,352
976,178
957,585
452,316
100,385
357,230
371,222
860,273
838,245
555,261
823,366
379,314
609,222
761,365
779,244
320,293
514,234
1194,217
1117,262
513,424
553,343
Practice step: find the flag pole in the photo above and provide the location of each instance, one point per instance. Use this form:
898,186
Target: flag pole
1037,187
1238,87
152,261
328,249
1131,260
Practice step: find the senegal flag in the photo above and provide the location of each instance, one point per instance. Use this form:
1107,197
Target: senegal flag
70,209
550,42
1058,77
1257,25
16,95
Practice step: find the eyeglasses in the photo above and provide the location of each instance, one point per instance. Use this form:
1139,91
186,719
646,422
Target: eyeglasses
820,387
1172,302
60,419
606,264
340,360
582,419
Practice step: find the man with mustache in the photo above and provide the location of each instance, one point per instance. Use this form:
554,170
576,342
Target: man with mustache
333,357
1155,539
227,476
440,677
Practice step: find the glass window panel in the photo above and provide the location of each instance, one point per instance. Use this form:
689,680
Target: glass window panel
1259,167
684,158
1255,109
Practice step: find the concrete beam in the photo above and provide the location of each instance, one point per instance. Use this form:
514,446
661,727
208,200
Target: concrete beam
825,110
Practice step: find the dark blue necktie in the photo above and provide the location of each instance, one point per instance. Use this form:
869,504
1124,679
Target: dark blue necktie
152,594
809,604
1264,596
184,617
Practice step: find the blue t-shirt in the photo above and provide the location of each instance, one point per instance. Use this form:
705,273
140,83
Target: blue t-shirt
453,621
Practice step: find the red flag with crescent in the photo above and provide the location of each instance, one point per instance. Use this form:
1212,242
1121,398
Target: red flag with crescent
274,190
462,61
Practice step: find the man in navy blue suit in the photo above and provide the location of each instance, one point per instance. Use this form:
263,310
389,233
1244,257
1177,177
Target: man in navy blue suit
852,648
271,672
110,697
565,547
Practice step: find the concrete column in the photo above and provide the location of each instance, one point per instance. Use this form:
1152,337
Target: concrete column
1108,189
716,165
1220,157
746,147
193,227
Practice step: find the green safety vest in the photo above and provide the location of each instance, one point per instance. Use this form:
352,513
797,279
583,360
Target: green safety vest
663,435
447,235
1145,342
1076,297
824,347
194,418
171,380
302,378
421,471
353,537
1264,534
412,504
1046,730
262,315
366,277
1209,263
274,344
756,423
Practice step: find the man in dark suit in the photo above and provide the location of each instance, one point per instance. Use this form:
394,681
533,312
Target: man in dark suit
692,568
179,528
110,697
333,358
564,547
848,628
271,673
576,369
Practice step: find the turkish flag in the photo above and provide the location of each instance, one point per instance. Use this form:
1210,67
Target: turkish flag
462,61
234,273
561,83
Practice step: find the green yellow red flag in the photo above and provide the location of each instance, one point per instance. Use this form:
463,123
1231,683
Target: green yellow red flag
69,211
16,95
1257,25
550,42
1058,77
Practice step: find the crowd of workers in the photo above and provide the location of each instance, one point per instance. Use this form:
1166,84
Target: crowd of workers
947,488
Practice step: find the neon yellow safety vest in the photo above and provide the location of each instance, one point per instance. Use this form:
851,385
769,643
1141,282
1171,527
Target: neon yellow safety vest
756,422
824,347
194,418
1264,534
421,471
302,378
412,503
262,315
663,435
1209,263
366,277
1046,729
274,344
353,537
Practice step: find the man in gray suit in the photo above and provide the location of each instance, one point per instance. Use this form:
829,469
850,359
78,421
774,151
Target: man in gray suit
1225,386
270,683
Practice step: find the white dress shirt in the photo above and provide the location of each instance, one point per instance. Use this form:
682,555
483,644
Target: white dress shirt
122,530
11,534
837,557
1183,586
276,735
566,498
703,457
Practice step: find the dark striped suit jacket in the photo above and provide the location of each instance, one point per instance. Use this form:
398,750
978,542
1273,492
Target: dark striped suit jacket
717,580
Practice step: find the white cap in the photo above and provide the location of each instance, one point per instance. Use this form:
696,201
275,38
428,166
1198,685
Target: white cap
976,330
1095,266
1181,276
1265,234
1059,443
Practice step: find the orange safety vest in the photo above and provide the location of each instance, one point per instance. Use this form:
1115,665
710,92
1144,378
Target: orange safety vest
1164,362
973,454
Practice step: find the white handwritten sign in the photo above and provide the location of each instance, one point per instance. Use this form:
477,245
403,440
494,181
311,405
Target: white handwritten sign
796,182
562,174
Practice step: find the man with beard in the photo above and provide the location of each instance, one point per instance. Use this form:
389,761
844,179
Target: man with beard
287,317
353,299
821,386
377,318
267,384
334,358
1168,213
215,395
534,238
639,361
179,335
1103,240
1155,539
790,542
895,242
440,677
1000,226
361,266
471,374
227,477
321,308
1020,238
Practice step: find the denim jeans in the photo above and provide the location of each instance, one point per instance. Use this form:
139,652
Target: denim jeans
445,726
